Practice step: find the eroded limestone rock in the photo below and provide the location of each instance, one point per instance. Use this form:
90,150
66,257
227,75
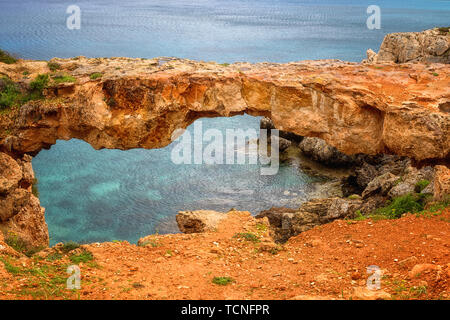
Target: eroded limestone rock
199,221
427,46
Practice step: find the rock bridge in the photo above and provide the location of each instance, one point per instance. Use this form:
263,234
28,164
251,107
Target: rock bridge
138,103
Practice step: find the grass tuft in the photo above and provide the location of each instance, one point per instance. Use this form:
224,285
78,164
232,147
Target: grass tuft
7,58
95,75
84,256
410,203
63,78
247,236
53,66
222,281
69,246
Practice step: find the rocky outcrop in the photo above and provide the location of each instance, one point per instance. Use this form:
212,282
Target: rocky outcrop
139,103
318,150
441,184
286,223
430,46
199,221
21,215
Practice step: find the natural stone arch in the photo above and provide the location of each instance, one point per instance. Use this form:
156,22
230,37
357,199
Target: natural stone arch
355,107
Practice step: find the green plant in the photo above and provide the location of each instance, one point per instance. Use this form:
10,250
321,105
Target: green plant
21,246
95,75
16,243
225,64
261,227
10,95
5,57
410,203
84,256
69,246
435,74
62,78
54,256
53,66
40,83
422,184
154,244
41,281
111,102
444,29
247,236
35,188
222,281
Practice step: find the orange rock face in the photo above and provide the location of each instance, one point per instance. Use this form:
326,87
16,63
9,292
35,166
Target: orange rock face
139,103
441,183
358,108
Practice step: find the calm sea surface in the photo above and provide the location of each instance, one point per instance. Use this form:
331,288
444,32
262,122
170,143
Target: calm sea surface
109,194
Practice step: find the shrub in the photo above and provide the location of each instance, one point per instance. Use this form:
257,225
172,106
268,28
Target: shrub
222,281
5,57
54,256
16,243
69,246
39,83
21,246
53,66
247,236
61,78
34,188
444,29
422,184
95,75
410,203
84,256
10,95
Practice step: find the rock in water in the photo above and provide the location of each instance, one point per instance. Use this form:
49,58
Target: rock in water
427,46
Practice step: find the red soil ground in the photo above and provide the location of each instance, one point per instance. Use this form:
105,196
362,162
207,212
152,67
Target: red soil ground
327,262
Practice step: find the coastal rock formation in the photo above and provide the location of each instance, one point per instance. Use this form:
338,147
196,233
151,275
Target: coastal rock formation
286,223
135,103
441,184
199,221
318,150
123,103
21,215
428,46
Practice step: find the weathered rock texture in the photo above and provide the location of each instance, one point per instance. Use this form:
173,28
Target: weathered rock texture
356,108
286,223
21,216
426,46
139,103
199,221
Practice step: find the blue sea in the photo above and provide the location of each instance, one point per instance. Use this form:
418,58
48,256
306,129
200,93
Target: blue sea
123,195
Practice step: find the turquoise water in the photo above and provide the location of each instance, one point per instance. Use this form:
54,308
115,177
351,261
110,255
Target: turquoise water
109,194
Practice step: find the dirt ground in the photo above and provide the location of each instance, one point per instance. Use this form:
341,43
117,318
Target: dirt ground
327,262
